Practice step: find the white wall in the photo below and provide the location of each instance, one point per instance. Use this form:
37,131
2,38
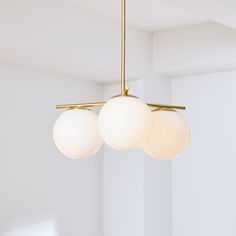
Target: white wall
40,189
204,176
43,191
138,195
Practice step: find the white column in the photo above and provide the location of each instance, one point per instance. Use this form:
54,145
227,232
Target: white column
137,188
157,174
123,183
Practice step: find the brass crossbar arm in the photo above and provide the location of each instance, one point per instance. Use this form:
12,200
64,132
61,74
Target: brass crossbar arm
174,107
80,105
99,104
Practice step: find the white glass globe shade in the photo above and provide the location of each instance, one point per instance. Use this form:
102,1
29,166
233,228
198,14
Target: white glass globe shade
125,122
76,135
169,137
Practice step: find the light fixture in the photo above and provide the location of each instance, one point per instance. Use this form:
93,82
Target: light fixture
124,122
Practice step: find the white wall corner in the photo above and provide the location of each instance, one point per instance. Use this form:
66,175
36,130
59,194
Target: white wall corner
199,49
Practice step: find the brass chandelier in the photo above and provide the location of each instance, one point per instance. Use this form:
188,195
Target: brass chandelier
124,122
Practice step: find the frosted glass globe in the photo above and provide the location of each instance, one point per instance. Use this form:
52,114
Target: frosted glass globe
125,122
76,135
169,137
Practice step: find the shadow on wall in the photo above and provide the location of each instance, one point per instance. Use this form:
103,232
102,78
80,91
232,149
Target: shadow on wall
43,228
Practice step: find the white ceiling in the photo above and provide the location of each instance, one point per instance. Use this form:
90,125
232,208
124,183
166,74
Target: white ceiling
150,15
222,11
79,38
58,37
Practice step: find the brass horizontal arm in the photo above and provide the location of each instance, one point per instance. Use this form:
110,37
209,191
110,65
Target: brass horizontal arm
80,105
99,104
166,106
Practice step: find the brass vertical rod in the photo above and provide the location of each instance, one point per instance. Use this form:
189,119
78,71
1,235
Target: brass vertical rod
123,49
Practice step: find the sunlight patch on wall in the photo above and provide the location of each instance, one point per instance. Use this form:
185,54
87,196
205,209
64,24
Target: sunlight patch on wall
47,228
